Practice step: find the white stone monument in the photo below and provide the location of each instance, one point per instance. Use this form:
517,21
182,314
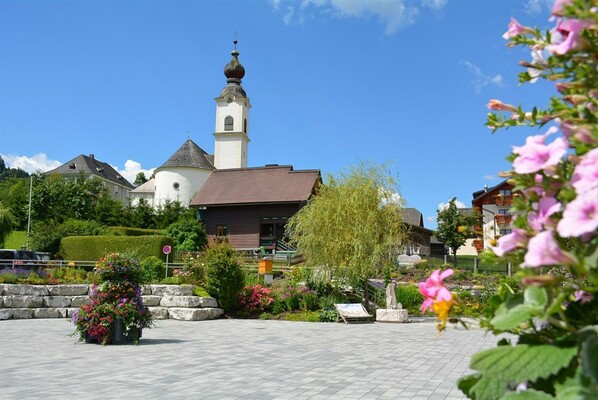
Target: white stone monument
392,312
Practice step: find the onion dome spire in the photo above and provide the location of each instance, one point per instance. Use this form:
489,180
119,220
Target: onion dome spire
234,71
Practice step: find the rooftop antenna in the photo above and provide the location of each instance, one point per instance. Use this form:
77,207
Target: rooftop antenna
188,135
235,41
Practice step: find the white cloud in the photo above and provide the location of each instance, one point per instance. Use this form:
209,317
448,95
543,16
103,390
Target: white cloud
435,4
393,14
132,168
481,80
38,162
431,218
458,203
536,7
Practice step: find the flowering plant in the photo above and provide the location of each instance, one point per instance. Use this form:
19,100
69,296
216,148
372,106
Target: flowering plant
256,298
118,298
551,350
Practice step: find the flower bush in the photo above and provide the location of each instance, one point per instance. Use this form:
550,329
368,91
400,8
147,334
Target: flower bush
552,347
117,297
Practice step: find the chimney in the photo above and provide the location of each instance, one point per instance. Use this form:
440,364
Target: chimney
91,156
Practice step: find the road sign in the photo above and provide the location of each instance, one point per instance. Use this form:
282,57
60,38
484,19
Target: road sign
166,249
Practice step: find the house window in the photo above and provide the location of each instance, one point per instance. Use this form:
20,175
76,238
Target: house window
221,230
505,231
115,189
245,125
228,123
504,211
506,192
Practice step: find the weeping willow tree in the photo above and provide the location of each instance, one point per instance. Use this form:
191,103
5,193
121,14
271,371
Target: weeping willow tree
352,227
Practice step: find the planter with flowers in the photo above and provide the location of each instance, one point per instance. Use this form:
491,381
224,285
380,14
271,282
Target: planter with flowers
116,313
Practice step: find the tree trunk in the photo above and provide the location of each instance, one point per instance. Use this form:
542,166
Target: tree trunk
455,258
366,294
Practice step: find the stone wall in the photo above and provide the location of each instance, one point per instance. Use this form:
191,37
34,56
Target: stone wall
60,301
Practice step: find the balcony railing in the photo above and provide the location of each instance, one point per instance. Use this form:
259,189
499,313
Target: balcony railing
503,219
503,199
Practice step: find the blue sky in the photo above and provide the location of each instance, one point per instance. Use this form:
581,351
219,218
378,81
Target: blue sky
331,82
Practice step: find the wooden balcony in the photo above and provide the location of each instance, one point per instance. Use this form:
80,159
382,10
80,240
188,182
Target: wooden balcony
478,244
503,219
503,199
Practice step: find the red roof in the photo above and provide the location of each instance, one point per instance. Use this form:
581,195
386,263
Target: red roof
270,184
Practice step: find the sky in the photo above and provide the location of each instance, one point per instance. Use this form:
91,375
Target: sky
332,83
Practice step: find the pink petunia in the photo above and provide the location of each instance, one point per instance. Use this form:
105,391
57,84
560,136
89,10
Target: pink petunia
515,28
539,218
508,242
497,105
543,250
566,36
585,175
558,5
581,215
434,290
537,156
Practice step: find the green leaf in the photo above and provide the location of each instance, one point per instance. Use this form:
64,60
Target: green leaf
523,362
527,395
535,296
465,383
589,358
488,389
510,318
572,389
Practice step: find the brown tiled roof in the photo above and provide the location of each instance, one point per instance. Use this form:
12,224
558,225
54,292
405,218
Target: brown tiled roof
271,184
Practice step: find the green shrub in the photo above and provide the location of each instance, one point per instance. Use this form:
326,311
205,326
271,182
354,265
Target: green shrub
46,236
329,300
309,301
8,277
305,316
67,274
153,269
127,231
278,307
200,291
188,234
94,247
328,314
225,278
410,297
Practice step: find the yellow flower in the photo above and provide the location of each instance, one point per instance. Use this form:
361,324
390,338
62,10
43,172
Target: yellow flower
442,309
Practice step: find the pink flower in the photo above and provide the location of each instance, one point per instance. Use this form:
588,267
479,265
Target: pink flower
566,36
515,28
581,215
539,219
557,6
433,290
579,132
508,242
497,105
536,156
543,249
585,175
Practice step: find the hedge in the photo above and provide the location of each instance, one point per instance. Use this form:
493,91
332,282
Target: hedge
126,231
88,248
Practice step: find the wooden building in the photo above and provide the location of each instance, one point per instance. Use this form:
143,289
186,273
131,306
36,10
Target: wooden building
250,206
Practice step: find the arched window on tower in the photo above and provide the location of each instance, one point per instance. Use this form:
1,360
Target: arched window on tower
245,125
228,123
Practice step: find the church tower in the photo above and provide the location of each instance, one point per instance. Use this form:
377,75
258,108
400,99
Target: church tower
232,115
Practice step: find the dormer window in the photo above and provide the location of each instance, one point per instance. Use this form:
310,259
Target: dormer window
228,123
72,165
99,169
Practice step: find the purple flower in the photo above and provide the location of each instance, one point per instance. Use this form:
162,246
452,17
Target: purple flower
585,175
581,215
75,317
539,219
536,156
543,249
506,243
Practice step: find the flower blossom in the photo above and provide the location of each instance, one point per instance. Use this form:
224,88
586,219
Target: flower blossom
433,289
557,7
585,175
536,156
566,36
506,243
497,105
538,60
579,132
581,215
539,219
543,250
515,28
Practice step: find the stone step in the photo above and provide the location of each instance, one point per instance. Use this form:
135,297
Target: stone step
194,314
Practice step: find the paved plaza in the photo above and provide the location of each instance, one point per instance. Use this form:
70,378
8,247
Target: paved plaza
238,359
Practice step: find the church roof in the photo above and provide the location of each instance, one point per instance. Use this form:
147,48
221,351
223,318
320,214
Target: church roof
90,165
190,155
412,216
270,184
147,187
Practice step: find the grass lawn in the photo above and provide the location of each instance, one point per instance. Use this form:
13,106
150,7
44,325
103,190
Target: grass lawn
16,240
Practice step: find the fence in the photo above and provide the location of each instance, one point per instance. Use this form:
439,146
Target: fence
474,264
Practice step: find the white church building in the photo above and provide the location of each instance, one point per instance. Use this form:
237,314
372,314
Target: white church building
188,169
